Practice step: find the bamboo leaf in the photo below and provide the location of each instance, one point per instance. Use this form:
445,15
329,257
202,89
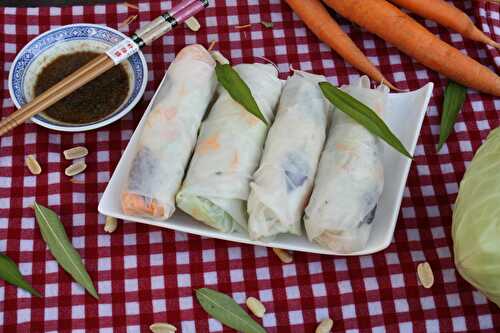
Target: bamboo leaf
227,311
54,235
10,273
238,89
363,115
454,98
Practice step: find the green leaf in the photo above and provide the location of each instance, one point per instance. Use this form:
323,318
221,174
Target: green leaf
61,248
238,89
363,115
454,98
267,25
227,311
10,273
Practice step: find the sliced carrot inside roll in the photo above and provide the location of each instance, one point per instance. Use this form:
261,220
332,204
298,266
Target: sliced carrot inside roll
135,204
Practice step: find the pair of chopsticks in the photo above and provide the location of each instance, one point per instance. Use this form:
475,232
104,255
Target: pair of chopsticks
115,55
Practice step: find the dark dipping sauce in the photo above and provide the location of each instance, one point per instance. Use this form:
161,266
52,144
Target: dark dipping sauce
90,103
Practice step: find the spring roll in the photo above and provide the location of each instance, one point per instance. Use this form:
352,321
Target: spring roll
282,184
228,151
350,178
169,134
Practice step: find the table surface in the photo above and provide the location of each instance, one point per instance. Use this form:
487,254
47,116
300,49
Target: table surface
37,3
145,274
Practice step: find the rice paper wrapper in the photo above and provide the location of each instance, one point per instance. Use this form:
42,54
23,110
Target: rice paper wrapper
282,184
350,178
228,151
169,134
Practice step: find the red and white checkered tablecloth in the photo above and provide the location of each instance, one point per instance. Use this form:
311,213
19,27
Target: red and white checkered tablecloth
145,274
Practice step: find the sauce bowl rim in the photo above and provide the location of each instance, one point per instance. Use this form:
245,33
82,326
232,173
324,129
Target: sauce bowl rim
85,127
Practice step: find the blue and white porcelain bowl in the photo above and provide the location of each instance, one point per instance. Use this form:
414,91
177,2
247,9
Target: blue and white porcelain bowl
65,40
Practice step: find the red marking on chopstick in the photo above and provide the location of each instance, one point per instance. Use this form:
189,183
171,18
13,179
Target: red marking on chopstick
186,9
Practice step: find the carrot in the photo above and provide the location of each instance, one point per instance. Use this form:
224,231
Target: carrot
134,204
449,16
317,18
388,22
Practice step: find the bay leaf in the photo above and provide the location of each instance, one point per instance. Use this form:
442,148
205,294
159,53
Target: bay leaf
54,235
454,98
363,115
10,273
238,89
227,311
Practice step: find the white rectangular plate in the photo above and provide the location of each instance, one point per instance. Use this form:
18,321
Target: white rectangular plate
404,115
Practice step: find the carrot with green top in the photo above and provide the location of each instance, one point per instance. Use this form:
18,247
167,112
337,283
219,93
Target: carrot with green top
391,24
449,16
317,18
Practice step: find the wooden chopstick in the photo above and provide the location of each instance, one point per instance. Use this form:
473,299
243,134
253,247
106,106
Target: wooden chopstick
99,65
77,77
67,81
57,92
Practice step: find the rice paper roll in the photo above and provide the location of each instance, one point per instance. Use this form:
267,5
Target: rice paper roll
169,134
350,178
283,183
228,152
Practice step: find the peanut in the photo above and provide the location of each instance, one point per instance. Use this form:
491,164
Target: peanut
425,274
256,306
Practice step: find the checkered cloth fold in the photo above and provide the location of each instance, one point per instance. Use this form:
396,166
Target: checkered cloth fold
145,274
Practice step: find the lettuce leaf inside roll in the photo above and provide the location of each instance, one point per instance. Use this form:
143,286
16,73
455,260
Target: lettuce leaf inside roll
205,210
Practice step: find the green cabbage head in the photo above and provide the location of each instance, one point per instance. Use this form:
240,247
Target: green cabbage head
476,220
